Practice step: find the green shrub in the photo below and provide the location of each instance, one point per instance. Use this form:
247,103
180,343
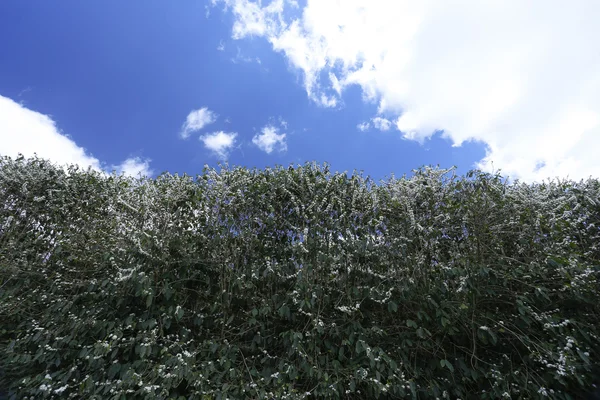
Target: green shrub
296,283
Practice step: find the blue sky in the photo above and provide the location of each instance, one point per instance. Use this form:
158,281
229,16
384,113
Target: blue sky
119,79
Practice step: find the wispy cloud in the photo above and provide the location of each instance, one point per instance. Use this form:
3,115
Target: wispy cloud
283,122
269,139
219,143
382,124
22,92
196,120
521,77
363,126
28,132
239,57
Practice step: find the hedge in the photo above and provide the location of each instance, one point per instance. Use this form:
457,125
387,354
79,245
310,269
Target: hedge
294,283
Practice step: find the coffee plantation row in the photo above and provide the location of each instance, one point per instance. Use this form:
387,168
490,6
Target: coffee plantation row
296,283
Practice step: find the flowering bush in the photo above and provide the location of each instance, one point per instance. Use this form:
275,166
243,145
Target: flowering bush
296,283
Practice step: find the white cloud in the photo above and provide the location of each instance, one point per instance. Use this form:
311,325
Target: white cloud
134,166
221,46
523,77
219,142
326,101
382,124
29,132
240,58
269,138
252,19
363,126
196,120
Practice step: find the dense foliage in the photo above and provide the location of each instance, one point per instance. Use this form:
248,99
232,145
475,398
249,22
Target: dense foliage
296,283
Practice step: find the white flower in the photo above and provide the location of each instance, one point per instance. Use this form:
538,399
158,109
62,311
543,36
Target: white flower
61,389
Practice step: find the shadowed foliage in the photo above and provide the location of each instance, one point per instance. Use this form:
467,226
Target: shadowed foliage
296,283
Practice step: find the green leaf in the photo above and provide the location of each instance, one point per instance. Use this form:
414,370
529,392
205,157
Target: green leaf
358,347
284,311
113,370
584,357
392,307
168,292
413,389
493,336
178,313
447,364
411,324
